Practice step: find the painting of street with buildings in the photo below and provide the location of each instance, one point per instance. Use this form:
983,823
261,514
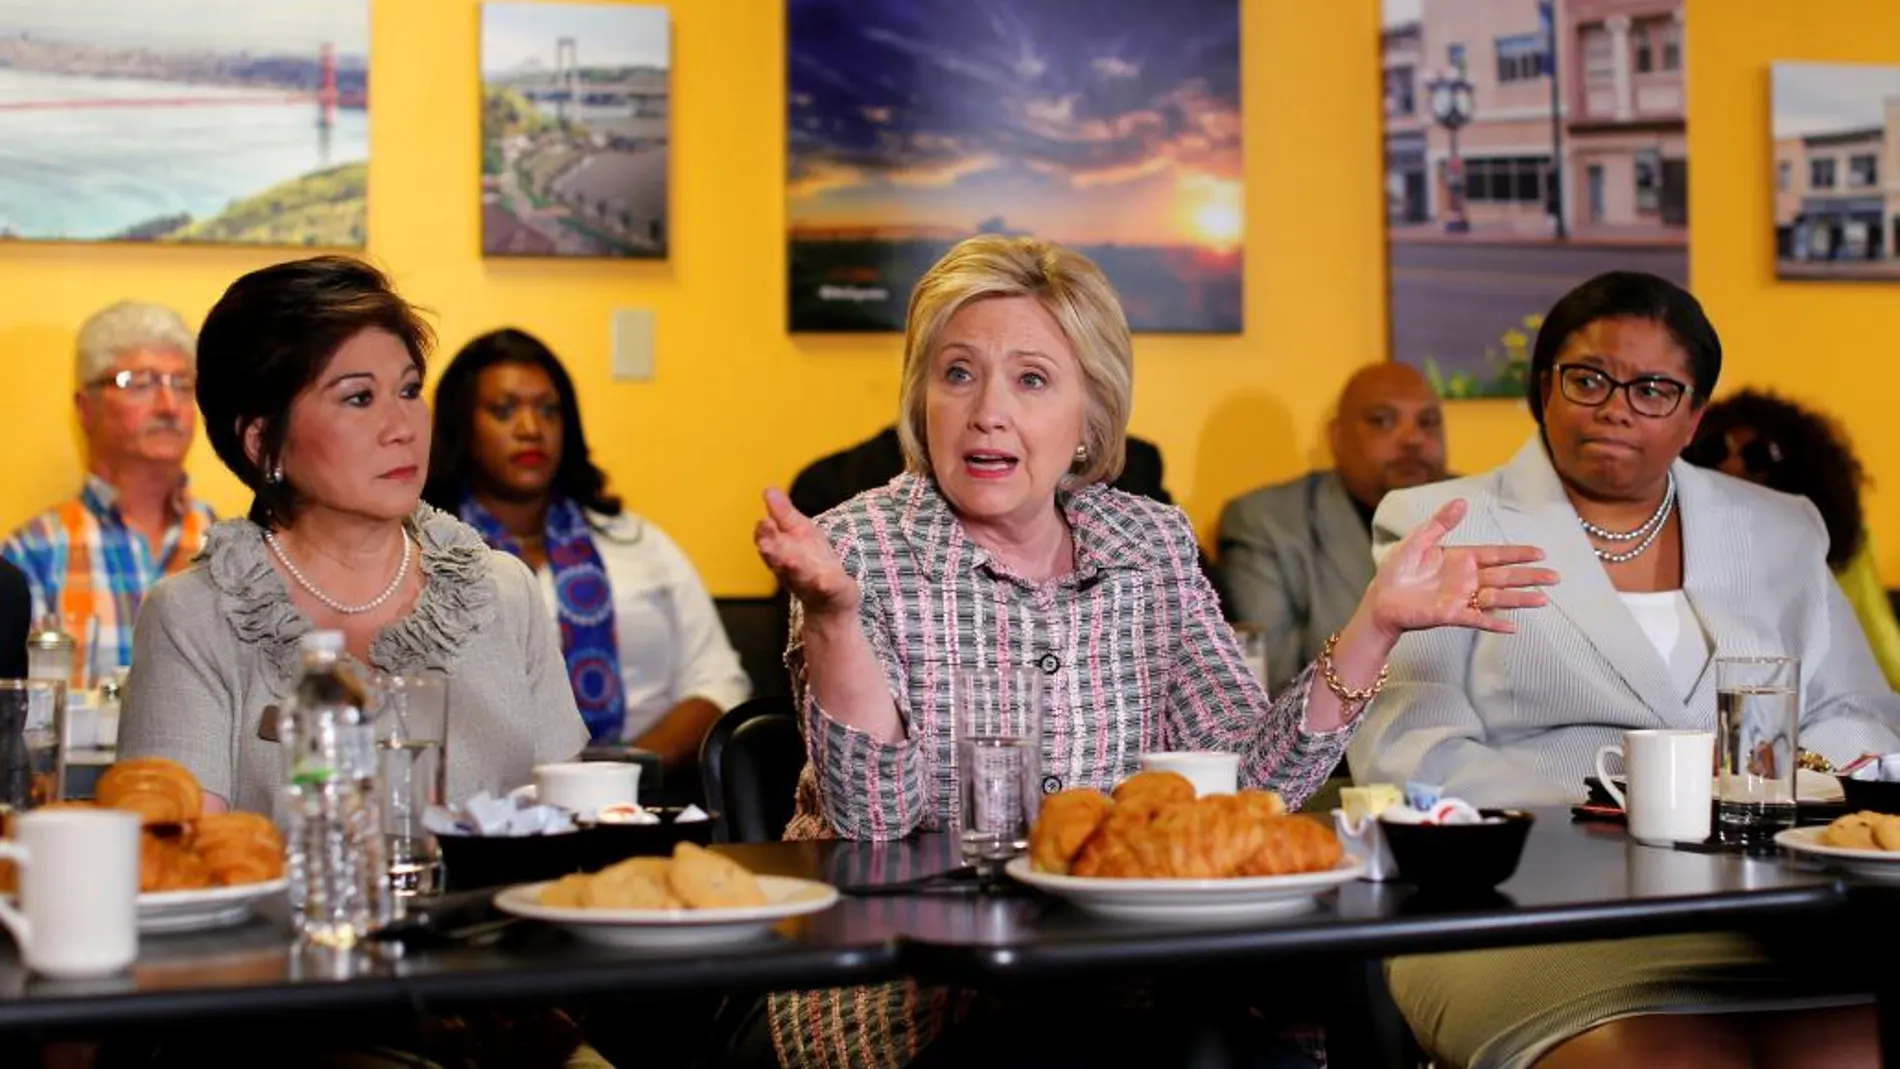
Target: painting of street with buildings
185,120
574,130
1112,126
1837,170
1529,144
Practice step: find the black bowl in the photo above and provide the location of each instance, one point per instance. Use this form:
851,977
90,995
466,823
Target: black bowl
1459,857
471,861
1877,795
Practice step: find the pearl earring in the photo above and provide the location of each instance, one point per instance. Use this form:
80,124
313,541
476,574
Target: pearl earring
277,472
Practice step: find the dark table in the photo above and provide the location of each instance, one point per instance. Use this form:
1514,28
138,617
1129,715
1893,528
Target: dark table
1575,882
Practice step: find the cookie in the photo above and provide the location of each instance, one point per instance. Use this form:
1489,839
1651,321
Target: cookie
568,892
705,880
631,884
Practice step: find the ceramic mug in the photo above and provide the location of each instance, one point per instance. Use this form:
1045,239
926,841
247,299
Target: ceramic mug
584,788
78,914
1210,771
1670,787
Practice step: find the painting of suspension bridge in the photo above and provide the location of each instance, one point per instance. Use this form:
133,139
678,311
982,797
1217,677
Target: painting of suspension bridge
574,130
218,121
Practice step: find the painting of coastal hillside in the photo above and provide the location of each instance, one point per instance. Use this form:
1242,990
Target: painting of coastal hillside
1111,126
225,121
574,130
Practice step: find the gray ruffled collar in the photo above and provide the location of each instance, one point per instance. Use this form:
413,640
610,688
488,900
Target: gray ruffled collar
456,603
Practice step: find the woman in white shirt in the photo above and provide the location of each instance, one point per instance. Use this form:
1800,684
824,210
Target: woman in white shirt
646,655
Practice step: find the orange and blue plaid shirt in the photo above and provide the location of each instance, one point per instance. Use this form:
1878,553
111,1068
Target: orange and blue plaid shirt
81,560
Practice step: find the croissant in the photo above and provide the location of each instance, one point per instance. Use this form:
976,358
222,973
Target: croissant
1292,844
166,863
1149,791
238,848
159,789
1065,823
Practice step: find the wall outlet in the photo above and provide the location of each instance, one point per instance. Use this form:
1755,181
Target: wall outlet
633,345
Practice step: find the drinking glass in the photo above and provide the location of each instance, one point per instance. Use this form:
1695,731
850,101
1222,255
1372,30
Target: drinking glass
411,714
1757,721
1253,648
32,757
998,734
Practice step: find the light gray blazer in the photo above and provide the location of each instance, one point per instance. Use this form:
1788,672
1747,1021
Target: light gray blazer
1295,558
1517,719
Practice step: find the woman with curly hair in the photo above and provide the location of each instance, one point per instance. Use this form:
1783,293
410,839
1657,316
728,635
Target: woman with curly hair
1767,439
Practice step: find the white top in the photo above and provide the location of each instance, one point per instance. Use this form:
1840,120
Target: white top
1671,625
672,645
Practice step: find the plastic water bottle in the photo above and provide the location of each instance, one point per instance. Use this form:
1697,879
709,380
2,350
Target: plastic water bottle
333,836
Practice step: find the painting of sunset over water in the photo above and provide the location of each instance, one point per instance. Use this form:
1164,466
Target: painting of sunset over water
1111,126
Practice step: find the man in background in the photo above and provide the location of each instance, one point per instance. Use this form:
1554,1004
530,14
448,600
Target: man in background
93,556
1296,558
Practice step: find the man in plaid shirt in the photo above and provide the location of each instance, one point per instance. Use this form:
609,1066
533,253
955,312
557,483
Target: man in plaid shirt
93,556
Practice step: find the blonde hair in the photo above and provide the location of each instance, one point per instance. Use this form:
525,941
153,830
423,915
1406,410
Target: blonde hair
126,327
1073,290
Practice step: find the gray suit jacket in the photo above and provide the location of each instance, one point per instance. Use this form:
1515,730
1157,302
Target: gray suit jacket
1295,558
1517,719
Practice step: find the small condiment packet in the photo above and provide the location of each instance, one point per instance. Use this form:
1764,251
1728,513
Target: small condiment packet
626,813
1364,840
1884,768
692,814
485,814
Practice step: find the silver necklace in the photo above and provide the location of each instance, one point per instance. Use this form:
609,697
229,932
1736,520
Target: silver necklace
1647,526
402,570
1651,529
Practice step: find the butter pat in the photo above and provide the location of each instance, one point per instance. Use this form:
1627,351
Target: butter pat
1365,803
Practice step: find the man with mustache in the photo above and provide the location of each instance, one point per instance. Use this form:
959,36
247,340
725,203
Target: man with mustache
1296,558
95,555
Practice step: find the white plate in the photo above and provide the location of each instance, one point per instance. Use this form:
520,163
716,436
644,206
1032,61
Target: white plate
213,907
785,897
1874,864
1175,901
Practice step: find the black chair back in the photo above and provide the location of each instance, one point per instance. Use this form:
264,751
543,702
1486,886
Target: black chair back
750,763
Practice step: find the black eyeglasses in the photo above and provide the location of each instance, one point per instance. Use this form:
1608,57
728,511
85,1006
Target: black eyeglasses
145,383
1654,396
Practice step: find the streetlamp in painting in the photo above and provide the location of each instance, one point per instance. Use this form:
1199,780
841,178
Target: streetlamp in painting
1452,107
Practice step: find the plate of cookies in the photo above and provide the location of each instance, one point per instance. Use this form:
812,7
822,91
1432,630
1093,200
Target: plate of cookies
1864,844
1152,850
197,870
694,898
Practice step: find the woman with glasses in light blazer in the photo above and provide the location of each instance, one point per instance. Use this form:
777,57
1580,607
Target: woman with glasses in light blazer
1665,566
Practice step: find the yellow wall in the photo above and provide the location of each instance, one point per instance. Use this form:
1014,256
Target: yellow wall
738,402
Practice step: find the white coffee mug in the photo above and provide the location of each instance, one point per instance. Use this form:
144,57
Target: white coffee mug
1671,779
586,787
79,886
1210,771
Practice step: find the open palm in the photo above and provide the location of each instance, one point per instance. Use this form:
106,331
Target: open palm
1423,583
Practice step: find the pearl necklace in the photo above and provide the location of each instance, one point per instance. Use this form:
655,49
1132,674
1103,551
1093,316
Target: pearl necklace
402,571
1650,530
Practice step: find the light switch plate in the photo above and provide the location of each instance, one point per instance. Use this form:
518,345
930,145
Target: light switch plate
633,345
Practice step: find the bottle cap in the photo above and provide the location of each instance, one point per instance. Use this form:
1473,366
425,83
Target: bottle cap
321,642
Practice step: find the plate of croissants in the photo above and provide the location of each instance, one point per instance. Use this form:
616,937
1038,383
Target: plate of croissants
197,870
1153,851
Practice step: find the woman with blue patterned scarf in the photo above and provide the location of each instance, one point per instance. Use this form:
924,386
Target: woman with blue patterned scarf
646,654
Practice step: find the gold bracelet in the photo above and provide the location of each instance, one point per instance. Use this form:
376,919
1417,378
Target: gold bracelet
1345,694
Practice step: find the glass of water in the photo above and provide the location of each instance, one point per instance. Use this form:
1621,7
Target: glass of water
1757,724
411,714
998,735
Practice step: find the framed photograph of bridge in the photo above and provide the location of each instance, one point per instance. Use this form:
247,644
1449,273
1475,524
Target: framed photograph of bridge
1112,127
185,121
1837,136
1529,145
574,129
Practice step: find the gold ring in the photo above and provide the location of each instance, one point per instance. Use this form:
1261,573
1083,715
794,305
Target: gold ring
1473,600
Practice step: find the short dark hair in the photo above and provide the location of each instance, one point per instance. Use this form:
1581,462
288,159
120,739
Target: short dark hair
1628,295
268,338
451,459
1806,453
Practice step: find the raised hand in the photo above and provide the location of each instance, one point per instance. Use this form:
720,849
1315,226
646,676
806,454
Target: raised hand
798,554
1424,584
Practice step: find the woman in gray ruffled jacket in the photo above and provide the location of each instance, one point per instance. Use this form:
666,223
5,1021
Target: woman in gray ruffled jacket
310,385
